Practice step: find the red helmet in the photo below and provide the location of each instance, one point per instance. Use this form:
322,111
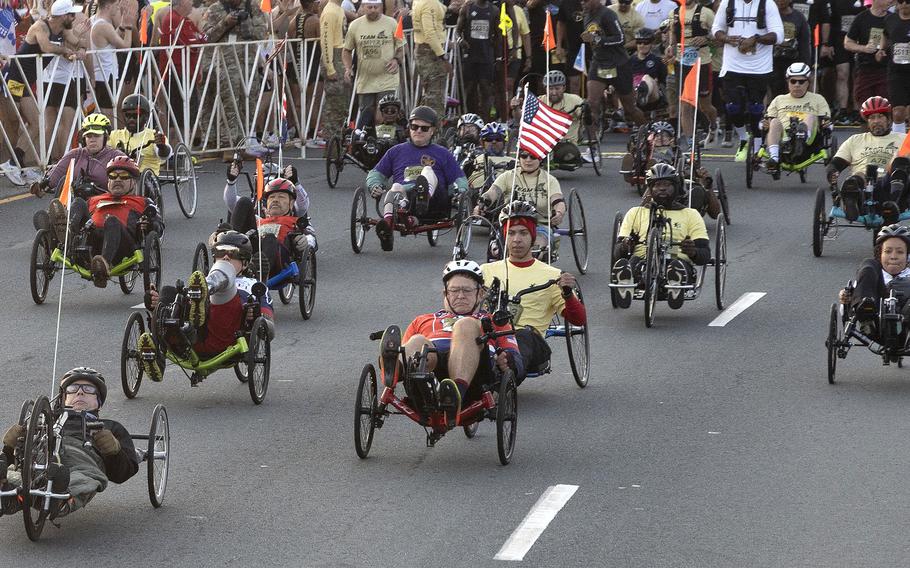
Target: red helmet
875,105
280,185
123,163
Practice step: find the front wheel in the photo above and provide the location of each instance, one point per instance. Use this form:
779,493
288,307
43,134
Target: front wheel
201,259
720,262
359,222
258,360
832,342
819,223
151,263
185,180
750,161
506,417
594,149
722,194
158,456
578,231
40,442
617,223
130,358
334,161
579,348
307,283
42,268
652,276
365,411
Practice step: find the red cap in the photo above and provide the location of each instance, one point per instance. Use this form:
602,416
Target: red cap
528,222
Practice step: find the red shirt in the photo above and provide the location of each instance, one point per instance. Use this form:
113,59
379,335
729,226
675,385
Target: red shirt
438,329
104,205
280,226
189,35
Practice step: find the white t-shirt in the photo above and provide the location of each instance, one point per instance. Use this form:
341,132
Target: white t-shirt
745,25
654,14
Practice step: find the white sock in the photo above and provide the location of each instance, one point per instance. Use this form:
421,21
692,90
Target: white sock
774,150
899,127
741,132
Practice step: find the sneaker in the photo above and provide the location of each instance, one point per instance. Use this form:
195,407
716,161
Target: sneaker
197,291
101,271
586,155
15,176
773,168
450,401
843,118
57,213
388,359
849,198
890,212
315,143
741,153
727,142
422,193
60,476
676,276
148,357
385,234
622,274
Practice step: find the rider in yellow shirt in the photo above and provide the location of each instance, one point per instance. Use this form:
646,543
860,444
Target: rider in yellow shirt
145,145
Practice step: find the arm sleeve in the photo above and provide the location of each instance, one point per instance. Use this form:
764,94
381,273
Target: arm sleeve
574,311
230,195
326,36
615,35
302,202
124,464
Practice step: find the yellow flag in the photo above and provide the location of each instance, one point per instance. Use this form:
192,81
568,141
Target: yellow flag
505,22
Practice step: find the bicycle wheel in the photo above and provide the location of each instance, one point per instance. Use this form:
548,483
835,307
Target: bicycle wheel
286,293
750,161
185,180
652,275
201,259
832,342
365,411
819,223
358,220
334,161
722,194
241,371
151,263
42,268
594,149
159,455
130,359
720,262
579,348
462,240
615,299
39,444
506,417
258,360
151,189
578,231
128,280
307,283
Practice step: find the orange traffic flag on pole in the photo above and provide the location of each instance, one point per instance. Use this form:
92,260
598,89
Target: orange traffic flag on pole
399,31
144,27
549,42
260,184
690,88
904,152
67,182
817,34
266,6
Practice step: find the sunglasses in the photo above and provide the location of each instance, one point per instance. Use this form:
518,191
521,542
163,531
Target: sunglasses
416,127
500,139
389,110
527,156
87,389
121,175
226,251
803,81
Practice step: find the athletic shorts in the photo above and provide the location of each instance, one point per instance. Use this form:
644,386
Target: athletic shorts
754,87
483,376
620,76
899,87
55,97
104,90
704,78
868,83
535,353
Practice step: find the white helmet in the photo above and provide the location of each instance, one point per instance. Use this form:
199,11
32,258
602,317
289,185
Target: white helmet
466,267
798,69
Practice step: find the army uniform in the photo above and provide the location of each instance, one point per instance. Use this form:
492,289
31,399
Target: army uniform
337,93
429,41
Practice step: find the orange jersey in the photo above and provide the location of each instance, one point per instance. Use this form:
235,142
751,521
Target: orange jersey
437,328
279,226
104,205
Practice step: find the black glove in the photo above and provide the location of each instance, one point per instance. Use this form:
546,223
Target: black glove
687,246
230,176
292,176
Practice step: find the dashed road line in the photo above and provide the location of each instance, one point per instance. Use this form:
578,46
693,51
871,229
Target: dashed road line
736,308
536,521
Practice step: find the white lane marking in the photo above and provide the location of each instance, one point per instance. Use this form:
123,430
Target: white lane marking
738,307
533,525
137,307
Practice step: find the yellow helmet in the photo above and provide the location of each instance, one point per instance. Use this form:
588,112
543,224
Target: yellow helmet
96,123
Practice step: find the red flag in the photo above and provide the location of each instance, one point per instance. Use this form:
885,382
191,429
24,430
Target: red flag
260,183
266,6
690,87
541,127
817,35
548,41
67,182
144,27
399,31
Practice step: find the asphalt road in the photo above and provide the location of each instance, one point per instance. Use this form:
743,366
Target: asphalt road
692,445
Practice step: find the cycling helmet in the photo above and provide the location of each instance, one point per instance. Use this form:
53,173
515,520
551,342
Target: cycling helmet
470,119
663,126
493,131
389,100
893,231
85,374
555,78
234,241
279,185
425,114
875,105
123,163
663,171
96,123
137,109
519,213
798,69
466,267
644,34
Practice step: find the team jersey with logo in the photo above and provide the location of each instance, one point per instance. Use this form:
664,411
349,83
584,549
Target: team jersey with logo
105,205
684,223
785,106
375,45
538,308
862,150
279,225
404,162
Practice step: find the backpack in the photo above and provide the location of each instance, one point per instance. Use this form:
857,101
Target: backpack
760,19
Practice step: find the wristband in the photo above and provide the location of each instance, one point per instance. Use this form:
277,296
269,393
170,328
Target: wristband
557,202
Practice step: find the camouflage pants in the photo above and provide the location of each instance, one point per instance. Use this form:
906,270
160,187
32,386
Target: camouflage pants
232,100
337,100
433,76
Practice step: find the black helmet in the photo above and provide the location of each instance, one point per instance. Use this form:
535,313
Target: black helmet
894,231
234,241
136,109
388,100
85,374
663,126
425,114
644,34
661,172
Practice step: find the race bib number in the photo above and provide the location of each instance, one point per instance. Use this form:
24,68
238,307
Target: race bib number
385,131
269,229
689,56
875,37
606,72
412,172
480,29
802,9
846,22
901,53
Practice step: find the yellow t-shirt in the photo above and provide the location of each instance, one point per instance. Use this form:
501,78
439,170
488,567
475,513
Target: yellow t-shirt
864,149
630,21
785,106
537,309
375,45
570,102
684,223
478,174
427,18
521,22
531,188
331,35
124,140
707,20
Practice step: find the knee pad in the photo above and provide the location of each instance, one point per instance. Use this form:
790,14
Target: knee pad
734,109
222,282
756,109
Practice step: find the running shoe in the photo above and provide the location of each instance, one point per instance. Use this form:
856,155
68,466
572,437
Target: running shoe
148,357
57,212
197,292
385,234
422,193
450,401
622,274
773,168
101,271
14,175
676,276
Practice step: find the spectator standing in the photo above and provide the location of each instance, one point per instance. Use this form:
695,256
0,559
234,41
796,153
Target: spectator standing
654,12
430,54
629,20
112,28
864,40
478,28
796,46
372,38
177,29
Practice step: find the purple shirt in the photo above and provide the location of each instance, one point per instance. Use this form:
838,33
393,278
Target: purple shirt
403,162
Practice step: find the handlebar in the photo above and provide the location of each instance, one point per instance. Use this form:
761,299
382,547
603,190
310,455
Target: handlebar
376,335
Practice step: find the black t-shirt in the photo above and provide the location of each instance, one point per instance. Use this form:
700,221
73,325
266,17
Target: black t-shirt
650,65
537,19
867,29
816,12
843,12
797,39
572,16
607,47
898,33
480,31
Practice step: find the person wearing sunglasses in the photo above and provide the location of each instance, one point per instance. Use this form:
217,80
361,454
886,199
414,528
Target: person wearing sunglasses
90,458
492,161
810,108
649,73
409,174
111,219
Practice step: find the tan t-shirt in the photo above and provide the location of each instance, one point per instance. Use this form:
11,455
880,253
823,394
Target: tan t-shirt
375,45
537,308
785,106
630,21
427,18
570,104
531,188
707,20
521,22
864,149
331,35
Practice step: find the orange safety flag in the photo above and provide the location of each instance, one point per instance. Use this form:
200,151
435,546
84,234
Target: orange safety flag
260,184
682,28
399,31
690,87
67,182
817,34
266,6
904,152
548,41
144,27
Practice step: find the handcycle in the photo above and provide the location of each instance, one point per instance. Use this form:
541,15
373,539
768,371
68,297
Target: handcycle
39,453
823,149
653,286
47,258
826,223
435,220
250,354
178,170
700,184
362,148
591,142
844,332
577,232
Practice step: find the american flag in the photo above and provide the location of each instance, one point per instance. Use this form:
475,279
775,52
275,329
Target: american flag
541,127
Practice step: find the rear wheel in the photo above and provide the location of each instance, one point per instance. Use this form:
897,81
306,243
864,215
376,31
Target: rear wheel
617,222
201,258
722,194
307,283
750,161
579,348
652,275
151,263
506,417
334,161
720,262
130,359
258,360
128,280
578,231
185,180
39,444
42,267
286,293
158,456
358,220
151,188
819,223
832,341
365,411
